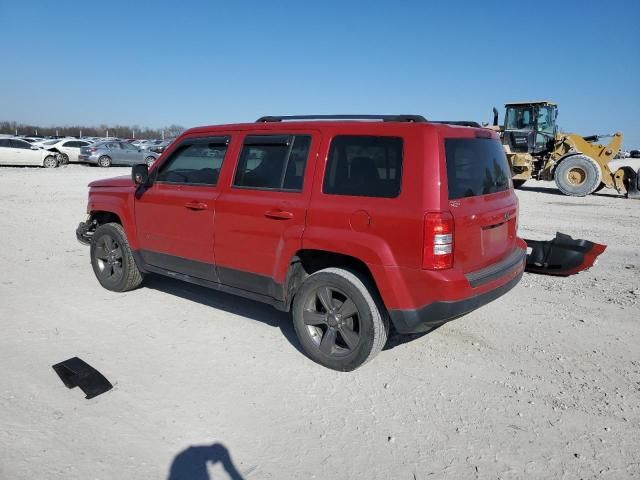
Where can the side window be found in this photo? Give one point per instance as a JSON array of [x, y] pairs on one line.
[[20, 144], [275, 162], [128, 146], [364, 166], [5, 142], [70, 144], [195, 162]]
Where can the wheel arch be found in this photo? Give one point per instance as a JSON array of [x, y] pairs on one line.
[[114, 207], [305, 262]]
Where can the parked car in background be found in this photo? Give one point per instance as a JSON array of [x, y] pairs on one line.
[[160, 147], [44, 143], [68, 149], [105, 154], [148, 144], [14, 151]]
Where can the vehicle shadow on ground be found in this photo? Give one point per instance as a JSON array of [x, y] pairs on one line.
[[555, 191], [192, 463], [227, 302], [250, 309]]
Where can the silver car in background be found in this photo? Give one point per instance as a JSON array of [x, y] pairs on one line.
[[105, 154]]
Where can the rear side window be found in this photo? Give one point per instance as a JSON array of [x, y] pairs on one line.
[[364, 166], [476, 166], [195, 162], [274, 162]]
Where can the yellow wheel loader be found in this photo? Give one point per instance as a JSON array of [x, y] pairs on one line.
[[578, 165]]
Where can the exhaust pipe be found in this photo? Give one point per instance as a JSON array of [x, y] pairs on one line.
[[495, 117]]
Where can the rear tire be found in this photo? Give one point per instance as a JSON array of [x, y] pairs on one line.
[[149, 161], [104, 161], [112, 259], [578, 176], [338, 320], [518, 183]]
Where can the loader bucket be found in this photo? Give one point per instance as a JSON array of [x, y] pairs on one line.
[[632, 182], [562, 256]]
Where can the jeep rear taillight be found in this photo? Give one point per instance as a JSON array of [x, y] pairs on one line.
[[438, 241]]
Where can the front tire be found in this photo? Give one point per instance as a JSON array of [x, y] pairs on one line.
[[578, 176], [50, 161], [338, 320], [112, 259], [104, 161]]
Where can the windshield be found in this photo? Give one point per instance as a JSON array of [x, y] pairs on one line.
[[519, 118]]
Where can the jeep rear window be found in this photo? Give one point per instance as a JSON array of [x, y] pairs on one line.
[[366, 166], [476, 166]]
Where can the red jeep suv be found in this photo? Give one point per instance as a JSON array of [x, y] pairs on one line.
[[352, 223]]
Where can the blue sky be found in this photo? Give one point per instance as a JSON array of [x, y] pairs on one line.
[[195, 63]]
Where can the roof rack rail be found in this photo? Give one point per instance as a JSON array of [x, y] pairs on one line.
[[384, 118], [462, 123]]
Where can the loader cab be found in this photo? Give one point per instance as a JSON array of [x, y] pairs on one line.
[[530, 127]]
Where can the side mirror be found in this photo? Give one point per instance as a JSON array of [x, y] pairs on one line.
[[140, 174], [33, 147]]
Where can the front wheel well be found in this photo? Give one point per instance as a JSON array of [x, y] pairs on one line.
[[101, 217], [307, 262]]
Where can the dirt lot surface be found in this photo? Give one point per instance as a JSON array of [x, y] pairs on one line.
[[542, 383]]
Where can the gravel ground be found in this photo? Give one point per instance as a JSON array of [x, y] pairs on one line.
[[542, 383]]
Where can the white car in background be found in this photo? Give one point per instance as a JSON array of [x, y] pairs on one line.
[[67, 148], [14, 151]]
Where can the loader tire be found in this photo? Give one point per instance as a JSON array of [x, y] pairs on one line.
[[578, 176]]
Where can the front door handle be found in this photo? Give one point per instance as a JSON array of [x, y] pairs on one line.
[[195, 205], [278, 214]]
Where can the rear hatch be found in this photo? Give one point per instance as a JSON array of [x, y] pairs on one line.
[[481, 198]]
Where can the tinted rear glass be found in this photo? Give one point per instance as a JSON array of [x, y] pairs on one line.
[[476, 166]]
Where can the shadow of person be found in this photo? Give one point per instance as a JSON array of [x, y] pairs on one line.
[[191, 463]]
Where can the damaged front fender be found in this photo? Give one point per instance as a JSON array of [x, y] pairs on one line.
[[562, 256]]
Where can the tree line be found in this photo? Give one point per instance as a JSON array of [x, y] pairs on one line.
[[120, 131]]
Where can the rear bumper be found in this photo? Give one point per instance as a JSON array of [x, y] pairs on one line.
[[87, 159], [450, 299], [438, 313]]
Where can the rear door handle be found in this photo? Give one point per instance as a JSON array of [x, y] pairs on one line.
[[278, 214], [195, 205]]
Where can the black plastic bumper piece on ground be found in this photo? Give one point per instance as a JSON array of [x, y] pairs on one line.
[[83, 233], [437, 313], [77, 373], [561, 256]]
